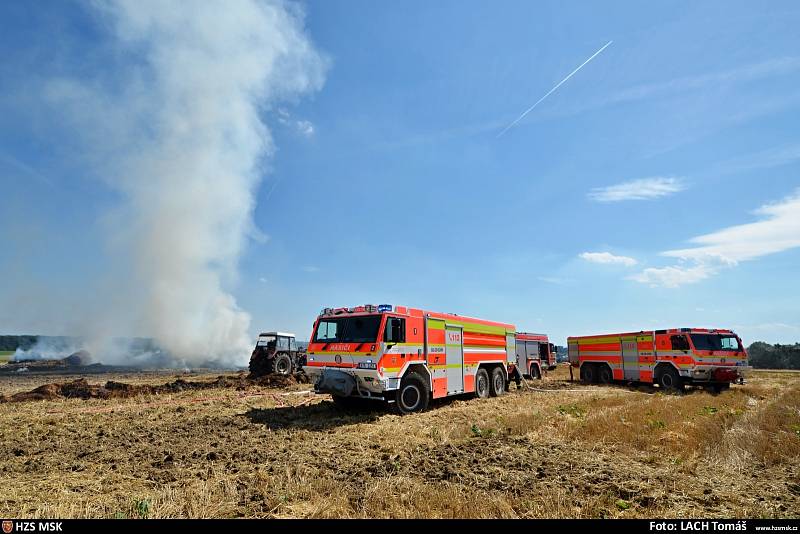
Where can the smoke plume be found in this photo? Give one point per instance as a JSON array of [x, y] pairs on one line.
[[180, 136]]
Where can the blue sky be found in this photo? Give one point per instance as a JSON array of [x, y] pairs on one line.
[[389, 184]]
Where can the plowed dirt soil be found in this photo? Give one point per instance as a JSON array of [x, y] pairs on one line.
[[230, 447]]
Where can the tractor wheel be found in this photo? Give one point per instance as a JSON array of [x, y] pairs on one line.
[[282, 364], [670, 380], [414, 394], [259, 364], [481, 383], [605, 375], [588, 373], [497, 385]]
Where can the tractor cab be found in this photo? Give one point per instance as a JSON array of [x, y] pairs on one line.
[[275, 352], [276, 341]]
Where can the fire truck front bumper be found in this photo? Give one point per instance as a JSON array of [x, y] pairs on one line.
[[715, 373], [350, 382]]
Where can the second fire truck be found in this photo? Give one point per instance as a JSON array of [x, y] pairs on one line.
[[671, 358], [535, 354]]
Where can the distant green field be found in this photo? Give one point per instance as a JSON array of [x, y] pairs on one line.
[[5, 356]]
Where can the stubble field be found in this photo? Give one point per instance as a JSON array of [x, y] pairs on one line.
[[254, 450]]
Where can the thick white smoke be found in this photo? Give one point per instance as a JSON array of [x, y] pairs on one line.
[[188, 151]]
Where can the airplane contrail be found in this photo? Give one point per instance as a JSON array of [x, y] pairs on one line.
[[553, 89]]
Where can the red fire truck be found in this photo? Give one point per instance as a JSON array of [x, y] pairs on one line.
[[535, 354], [408, 356], [671, 358]]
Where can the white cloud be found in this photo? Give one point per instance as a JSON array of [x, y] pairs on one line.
[[744, 73], [779, 230], [674, 276], [555, 280], [301, 126], [310, 269], [771, 157], [642, 189], [608, 258], [305, 127]]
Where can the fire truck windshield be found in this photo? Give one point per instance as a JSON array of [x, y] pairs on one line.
[[715, 342], [359, 329]]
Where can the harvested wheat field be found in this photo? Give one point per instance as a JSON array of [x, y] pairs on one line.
[[239, 448]]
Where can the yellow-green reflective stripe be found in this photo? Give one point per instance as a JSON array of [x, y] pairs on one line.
[[435, 324], [478, 328], [596, 340]]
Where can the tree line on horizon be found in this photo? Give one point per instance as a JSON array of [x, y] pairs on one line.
[[765, 356], [762, 355]]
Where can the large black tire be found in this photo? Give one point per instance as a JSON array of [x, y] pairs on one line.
[[414, 394], [588, 373], [282, 364], [669, 379], [481, 383], [535, 372], [497, 384], [260, 365], [605, 376]]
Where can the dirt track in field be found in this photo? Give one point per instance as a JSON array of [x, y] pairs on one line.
[[252, 450]]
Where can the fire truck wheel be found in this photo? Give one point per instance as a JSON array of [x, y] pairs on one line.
[[669, 379], [535, 372], [605, 376], [282, 364], [414, 394], [481, 384], [588, 373], [497, 386]]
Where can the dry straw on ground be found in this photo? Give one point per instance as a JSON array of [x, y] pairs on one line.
[[562, 452]]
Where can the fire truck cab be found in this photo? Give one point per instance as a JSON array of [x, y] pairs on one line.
[[407, 356], [672, 358]]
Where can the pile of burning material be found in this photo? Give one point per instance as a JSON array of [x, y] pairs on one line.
[[78, 359], [81, 358], [81, 389]]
